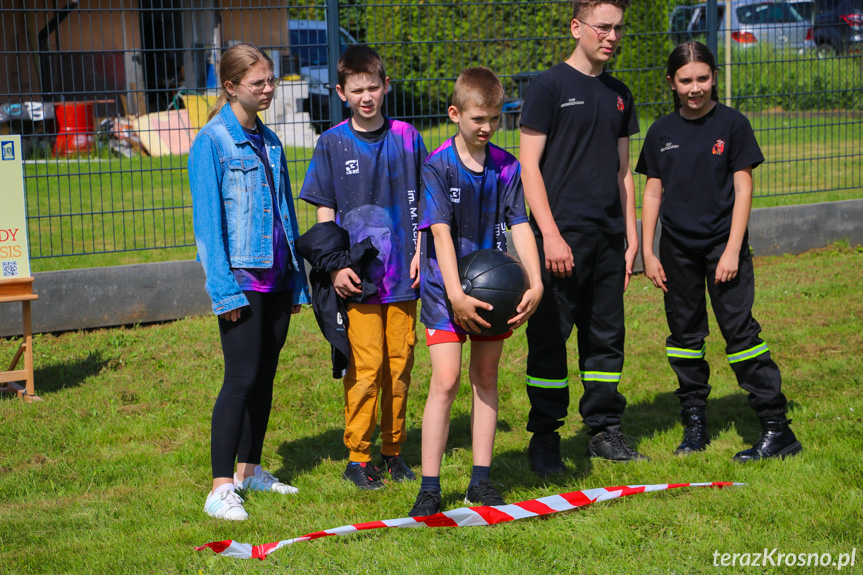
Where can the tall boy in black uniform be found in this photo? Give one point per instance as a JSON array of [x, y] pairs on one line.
[[575, 127]]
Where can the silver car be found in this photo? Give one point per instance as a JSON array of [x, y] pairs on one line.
[[753, 23]]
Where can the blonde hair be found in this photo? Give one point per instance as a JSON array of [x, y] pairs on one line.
[[478, 86], [235, 62]]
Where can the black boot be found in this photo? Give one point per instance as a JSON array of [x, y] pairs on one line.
[[776, 440], [695, 437], [544, 454]]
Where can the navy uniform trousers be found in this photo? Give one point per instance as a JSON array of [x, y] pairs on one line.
[[685, 307], [592, 301]]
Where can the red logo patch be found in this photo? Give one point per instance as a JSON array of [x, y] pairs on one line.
[[619, 104], [718, 147]]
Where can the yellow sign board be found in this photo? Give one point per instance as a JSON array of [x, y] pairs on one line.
[[14, 253]]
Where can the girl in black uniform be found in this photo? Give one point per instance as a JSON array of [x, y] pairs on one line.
[[698, 161]]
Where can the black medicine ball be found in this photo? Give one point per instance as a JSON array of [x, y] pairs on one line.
[[494, 277]]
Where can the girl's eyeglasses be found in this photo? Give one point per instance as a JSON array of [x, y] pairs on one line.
[[258, 87]]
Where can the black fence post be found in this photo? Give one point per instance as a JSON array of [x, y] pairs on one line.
[[713, 26], [333, 53]]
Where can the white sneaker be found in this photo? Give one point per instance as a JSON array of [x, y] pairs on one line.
[[264, 481], [225, 505]]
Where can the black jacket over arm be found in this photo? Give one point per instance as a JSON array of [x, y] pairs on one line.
[[326, 246]]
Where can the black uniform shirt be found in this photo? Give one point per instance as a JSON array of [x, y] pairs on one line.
[[583, 117], [696, 161]]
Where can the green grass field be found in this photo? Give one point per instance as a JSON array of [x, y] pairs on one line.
[[109, 473], [136, 210]]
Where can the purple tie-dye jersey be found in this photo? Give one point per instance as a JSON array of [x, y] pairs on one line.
[[278, 277], [374, 188], [478, 207]]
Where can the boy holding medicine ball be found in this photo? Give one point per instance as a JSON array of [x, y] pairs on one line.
[[472, 192]]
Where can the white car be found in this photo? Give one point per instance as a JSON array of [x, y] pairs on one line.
[[753, 22]]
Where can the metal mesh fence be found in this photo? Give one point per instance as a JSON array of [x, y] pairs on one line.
[[108, 95]]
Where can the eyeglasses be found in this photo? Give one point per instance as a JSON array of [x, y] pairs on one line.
[[258, 87], [603, 30]]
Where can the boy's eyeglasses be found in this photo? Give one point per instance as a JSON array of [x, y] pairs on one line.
[[258, 87], [603, 30]]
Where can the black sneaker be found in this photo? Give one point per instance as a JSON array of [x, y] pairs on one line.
[[397, 468], [611, 445], [427, 503], [364, 475], [543, 452], [483, 493]]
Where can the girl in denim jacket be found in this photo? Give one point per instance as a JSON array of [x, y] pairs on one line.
[[245, 227]]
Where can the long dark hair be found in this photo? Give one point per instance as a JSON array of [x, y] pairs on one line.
[[686, 54]]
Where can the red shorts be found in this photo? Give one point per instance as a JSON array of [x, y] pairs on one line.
[[434, 336]]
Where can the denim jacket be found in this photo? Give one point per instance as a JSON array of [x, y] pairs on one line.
[[233, 209]]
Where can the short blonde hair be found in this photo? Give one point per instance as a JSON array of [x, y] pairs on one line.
[[478, 86]]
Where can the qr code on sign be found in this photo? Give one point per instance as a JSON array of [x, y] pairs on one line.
[[10, 269]]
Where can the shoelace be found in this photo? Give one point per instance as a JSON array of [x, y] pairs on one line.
[[426, 497], [617, 440], [692, 433], [764, 438], [231, 499], [267, 478], [550, 450], [371, 472], [485, 490]]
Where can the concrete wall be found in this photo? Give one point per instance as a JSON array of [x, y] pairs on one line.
[[120, 295]]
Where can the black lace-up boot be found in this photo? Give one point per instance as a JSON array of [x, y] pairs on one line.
[[695, 437], [544, 454], [776, 441]]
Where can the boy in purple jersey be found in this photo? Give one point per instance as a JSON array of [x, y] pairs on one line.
[[364, 175], [472, 192], [576, 122]]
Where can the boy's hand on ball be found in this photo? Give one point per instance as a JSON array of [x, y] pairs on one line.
[[346, 282], [465, 315], [526, 307]]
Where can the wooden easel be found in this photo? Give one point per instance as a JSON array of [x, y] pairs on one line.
[[12, 291]]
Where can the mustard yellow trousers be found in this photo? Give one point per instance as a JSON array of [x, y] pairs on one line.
[[382, 339]]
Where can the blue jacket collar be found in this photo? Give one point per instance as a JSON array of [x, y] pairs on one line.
[[233, 124]]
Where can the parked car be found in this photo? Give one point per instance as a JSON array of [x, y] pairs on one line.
[[753, 22], [805, 8], [308, 48], [838, 28]]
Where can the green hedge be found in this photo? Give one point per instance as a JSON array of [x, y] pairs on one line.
[[426, 44]]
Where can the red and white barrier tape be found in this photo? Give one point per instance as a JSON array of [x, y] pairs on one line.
[[462, 517]]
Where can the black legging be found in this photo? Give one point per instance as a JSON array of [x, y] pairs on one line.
[[251, 347]]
